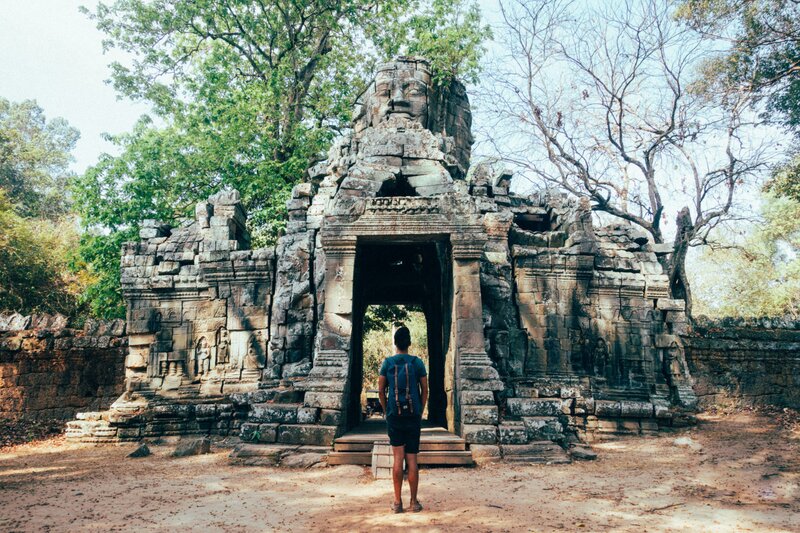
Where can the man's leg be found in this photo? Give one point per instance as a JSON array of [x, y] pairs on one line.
[[413, 475], [399, 453]]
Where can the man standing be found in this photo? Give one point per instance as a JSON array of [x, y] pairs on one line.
[[406, 380]]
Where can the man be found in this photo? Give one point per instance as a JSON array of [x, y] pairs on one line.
[[406, 380]]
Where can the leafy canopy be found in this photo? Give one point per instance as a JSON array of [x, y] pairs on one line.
[[763, 58], [246, 94], [34, 159], [34, 274]]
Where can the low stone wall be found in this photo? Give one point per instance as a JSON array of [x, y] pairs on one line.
[[745, 361], [49, 370]]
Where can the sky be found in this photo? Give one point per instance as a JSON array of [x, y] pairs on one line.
[[52, 53]]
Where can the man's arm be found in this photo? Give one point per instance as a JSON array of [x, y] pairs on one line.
[[423, 383], [383, 384]]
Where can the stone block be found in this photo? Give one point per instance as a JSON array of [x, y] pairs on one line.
[[330, 417], [636, 409], [190, 446], [520, 407], [307, 434], [513, 434], [325, 400], [273, 412], [479, 414], [667, 304], [477, 398], [479, 372], [543, 428], [605, 408], [480, 434], [485, 453], [307, 415]]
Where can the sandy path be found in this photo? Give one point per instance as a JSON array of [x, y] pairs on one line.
[[745, 478]]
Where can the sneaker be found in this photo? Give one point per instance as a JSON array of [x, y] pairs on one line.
[[416, 507], [397, 507]]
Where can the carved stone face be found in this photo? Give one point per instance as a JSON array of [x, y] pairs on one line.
[[402, 90]]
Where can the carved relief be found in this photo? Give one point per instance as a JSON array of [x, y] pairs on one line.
[[223, 347], [202, 358], [402, 205]]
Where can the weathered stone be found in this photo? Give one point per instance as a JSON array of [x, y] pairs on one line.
[[142, 450], [190, 446], [583, 453], [480, 434], [534, 407], [306, 434], [479, 414], [324, 400], [302, 460]]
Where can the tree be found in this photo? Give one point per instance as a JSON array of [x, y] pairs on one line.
[[33, 263], [34, 159], [763, 59], [760, 276], [248, 94], [598, 101]]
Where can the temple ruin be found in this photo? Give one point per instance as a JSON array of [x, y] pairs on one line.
[[541, 326]]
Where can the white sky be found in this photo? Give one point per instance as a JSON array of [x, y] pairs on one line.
[[52, 53]]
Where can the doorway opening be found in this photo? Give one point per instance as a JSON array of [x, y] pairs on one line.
[[415, 279]]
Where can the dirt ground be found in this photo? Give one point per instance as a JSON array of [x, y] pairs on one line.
[[739, 472]]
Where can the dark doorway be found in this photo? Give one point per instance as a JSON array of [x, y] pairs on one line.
[[413, 274]]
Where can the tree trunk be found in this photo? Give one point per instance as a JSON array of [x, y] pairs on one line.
[[676, 265]]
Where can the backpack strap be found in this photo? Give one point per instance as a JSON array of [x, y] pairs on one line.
[[409, 396], [396, 393]]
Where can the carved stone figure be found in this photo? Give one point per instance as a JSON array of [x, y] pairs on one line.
[[400, 90], [251, 360], [223, 347], [202, 357]]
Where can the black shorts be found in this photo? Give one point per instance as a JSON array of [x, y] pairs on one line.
[[404, 432]]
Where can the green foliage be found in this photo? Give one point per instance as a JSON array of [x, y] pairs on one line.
[[378, 342], [34, 159], [763, 59], [762, 276], [247, 95], [33, 269], [451, 36], [383, 317]]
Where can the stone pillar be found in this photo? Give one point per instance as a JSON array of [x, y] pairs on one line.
[[327, 384], [475, 380]]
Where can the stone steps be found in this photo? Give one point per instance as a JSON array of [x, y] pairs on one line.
[[437, 446], [366, 446], [448, 457]]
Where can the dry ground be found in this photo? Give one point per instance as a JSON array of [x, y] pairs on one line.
[[746, 477]]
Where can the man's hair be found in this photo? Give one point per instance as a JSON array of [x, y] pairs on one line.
[[402, 338]]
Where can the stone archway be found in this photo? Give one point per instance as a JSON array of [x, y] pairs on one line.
[[402, 272]]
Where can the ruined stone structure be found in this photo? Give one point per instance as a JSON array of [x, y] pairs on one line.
[[745, 361], [49, 370], [540, 325]]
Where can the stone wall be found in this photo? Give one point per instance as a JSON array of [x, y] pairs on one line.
[[745, 361], [49, 370]]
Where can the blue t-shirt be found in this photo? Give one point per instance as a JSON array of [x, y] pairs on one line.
[[419, 372]]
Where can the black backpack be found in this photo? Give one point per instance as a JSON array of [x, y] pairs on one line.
[[403, 377]]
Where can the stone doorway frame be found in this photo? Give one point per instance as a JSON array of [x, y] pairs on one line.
[[436, 304], [393, 219]]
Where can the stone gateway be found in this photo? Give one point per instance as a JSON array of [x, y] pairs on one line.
[[541, 327]]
